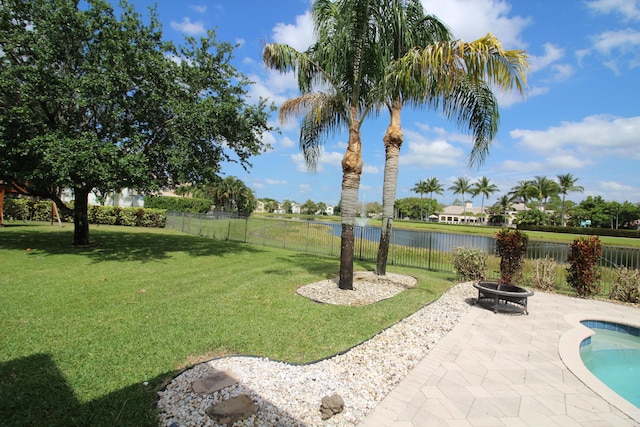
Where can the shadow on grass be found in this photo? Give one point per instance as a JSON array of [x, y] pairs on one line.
[[33, 392], [122, 244]]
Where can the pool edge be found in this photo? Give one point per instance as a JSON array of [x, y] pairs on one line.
[[569, 350]]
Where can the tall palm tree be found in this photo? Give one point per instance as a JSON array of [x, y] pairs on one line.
[[345, 61], [484, 187], [427, 68], [433, 186], [543, 188], [420, 188], [462, 186], [567, 182]]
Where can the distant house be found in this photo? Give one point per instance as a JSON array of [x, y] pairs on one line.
[[127, 198], [455, 214]]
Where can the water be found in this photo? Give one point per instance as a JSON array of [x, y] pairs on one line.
[[613, 355]]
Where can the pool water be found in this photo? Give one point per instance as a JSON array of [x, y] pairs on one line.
[[613, 355]]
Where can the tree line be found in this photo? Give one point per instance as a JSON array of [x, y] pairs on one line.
[[545, 200]]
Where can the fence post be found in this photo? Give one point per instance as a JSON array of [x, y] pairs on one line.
[[229, 230], [429, 253], [246, 228]]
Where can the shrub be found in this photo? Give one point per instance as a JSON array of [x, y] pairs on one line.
[[16, 209], [178, 204], [511, 246], [103, 215], [627, 285], [470, 263], [544, 274], [583, 275], [41, 210], [128, 217]]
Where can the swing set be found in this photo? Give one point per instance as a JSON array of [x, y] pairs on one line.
[[10, 187]]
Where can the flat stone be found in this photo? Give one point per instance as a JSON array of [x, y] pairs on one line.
[[214, 382], [231, 410]]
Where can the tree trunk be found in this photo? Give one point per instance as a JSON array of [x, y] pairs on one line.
[[351, 172], [392, 142], [80, 217]]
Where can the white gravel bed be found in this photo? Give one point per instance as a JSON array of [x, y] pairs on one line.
[[290, 395]]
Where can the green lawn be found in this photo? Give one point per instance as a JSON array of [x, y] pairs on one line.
[[89, 335]]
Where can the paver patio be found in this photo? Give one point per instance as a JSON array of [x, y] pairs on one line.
[[506, 370]]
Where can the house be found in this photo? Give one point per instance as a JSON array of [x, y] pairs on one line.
[[127, 198], [456, 214]]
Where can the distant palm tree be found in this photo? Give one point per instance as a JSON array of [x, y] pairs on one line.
[[567, 183], [462, 186], [543, 188], [484, 187], [522, 191], [420, 188], [433, 186], [505, 203]]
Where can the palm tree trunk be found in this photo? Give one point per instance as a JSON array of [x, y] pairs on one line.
[[392, 141], [351, 172]]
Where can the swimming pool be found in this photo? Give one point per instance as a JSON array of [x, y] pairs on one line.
[[613, 355]]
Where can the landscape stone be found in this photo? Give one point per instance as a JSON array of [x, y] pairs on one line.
[[214, 382], [331, 405], [233, 409]]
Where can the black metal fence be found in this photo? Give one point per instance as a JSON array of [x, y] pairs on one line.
[[421, 249]]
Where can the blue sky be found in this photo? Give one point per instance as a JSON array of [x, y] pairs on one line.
[[581, 114]]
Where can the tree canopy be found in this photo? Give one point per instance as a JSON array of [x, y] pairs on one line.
[[92, 100]]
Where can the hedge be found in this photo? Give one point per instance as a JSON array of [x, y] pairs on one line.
[[178, 204], [582, 230]]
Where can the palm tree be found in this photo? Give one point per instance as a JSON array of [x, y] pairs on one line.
[[543, 188], [505, 203], [433, 186], [420, 188], [428, 68], [485, 187], [521, 191], [462, 186], [345, 60], [567, 183]]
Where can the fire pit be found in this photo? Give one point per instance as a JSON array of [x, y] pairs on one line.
[[502, 296]]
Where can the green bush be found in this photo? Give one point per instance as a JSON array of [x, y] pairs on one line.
[[470, 263], [103, 215], [128, 217], [544, 274], [152, 217], [511, 246], [41, 210], [626, 288], [178, 204], [583, 274], [16, 209]]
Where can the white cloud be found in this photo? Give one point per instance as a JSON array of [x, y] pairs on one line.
[[472, 19], [275, 182], [424, 152], [274, 86], [552, 54], [299, 35], [287, 142], [326, 158], [608, 134], [199, 8], [369, 169], [623, 40], [630, 9], [188, 27]]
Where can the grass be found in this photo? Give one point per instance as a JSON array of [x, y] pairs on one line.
[[90, 335]]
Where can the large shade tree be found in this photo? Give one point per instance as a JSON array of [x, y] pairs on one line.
[[90, 100]]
